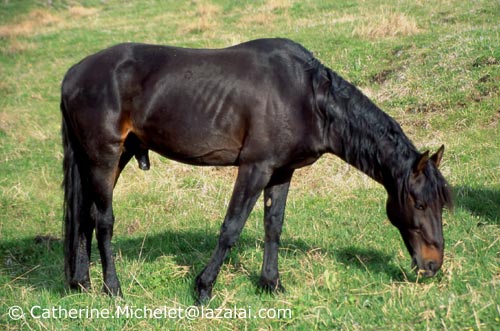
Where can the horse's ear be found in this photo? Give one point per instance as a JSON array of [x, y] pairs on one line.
[[438, 156], [421, 163]]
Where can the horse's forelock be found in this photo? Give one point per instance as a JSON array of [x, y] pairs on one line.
[[435, 188]]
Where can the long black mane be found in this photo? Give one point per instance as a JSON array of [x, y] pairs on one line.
[[368, 138]]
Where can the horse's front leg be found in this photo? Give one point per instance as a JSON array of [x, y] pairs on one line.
[[274, 211], [250, 182]]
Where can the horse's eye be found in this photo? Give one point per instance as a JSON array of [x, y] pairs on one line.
[[419, 206]]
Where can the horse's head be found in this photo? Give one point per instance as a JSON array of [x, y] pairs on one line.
[[417, 212]]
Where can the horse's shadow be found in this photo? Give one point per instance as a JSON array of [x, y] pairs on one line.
[[483, 202], [373, 262], [38, 262]]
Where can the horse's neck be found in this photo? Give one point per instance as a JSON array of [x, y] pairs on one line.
[[370, 140]]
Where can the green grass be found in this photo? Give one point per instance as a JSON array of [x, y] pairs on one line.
[[434, 66]]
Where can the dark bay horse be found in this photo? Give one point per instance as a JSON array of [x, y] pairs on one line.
[[266, 106]]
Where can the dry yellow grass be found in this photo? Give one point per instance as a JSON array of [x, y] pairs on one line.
[[15, 46], [38, 21], [34, 21], [259, 18], [204, 18], [328, 19], [264, 14], [384, 23], [271, 5], [207, 9], [79, 11]]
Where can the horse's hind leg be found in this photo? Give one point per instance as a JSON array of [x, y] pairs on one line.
[[78, 254], [275, 195], [103, 179], [82, 274], [78, 226]]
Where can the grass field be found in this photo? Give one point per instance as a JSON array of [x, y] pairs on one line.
[[432, 65]]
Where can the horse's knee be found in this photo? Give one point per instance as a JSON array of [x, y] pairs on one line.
[[104, 221], [229, 234], [104, 232]]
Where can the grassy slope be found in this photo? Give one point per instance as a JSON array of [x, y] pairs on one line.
[[434, 67]]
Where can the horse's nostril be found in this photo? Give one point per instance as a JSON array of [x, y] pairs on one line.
[[431, 265]]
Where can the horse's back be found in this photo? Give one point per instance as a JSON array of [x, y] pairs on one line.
[[199, 106], [149, 58]]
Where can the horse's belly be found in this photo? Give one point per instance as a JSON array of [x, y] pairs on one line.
[[214, 157], [195, 147]]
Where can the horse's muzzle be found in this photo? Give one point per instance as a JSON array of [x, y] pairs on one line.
[[425, 268]]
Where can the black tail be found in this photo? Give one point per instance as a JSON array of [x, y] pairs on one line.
[[73, 199]]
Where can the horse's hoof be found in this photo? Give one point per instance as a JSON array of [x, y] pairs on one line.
[[82, 286], [203, 299], [112, 291], [271, 286], [203, 291]]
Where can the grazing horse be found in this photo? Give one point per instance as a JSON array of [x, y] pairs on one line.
[[266, 106]]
